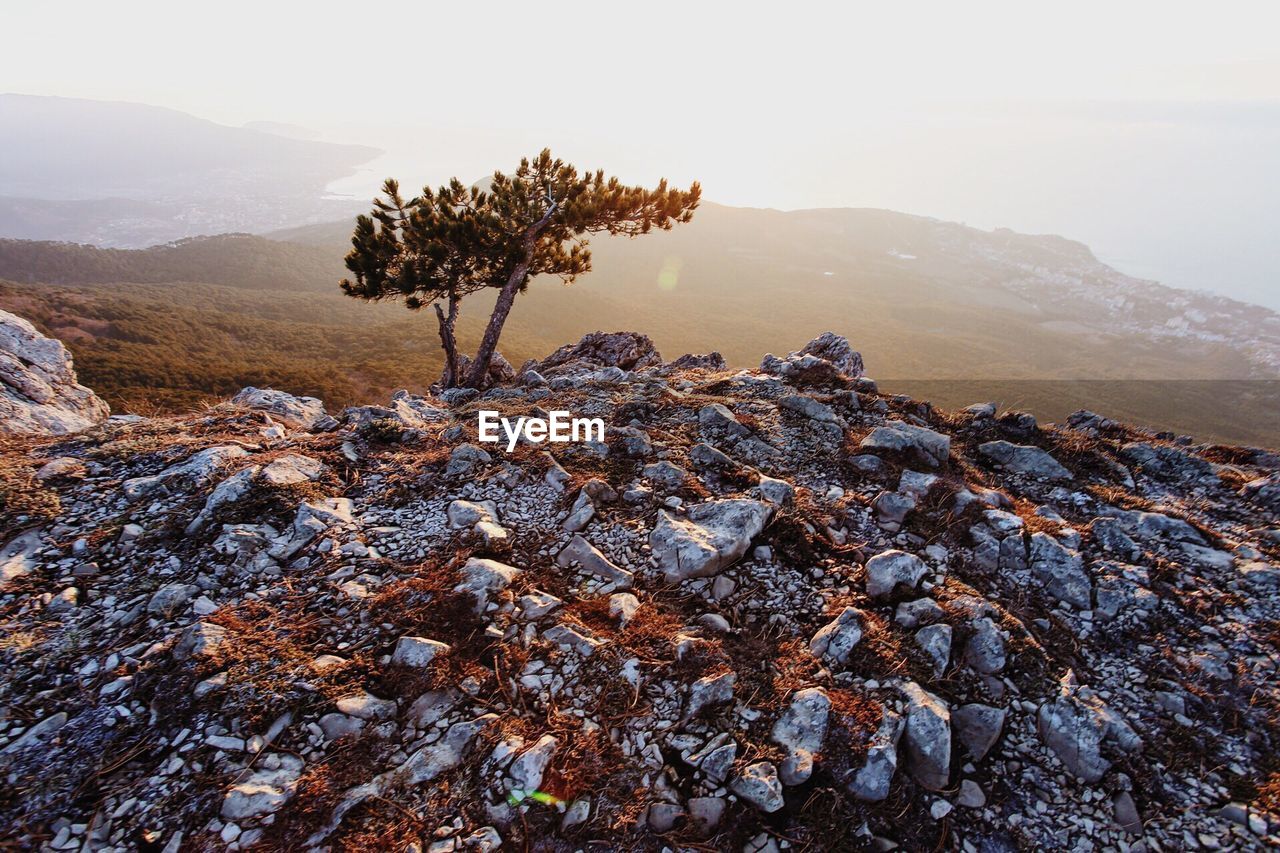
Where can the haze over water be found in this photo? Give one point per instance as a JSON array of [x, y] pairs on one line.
[[1157, 150]]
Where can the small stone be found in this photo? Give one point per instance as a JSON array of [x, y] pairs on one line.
[[1126, 814], [416, 652], [758, 785], [664, 817], [366, 706], [623, 607], [710, 691], [836, 640], [971, 796], [890, 568]]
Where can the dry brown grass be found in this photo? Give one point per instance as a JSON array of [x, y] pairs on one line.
[[24, 500], [854, 719], [1120, 497]]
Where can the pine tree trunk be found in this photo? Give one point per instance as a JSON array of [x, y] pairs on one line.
[[448, 342], [507, 298], [501, 308]]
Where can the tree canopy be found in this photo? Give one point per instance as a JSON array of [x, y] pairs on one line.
[[445, 244]]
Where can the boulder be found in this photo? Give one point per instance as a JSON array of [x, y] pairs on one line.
[[301, 412], [1077, 723], [758, 785], [416, 652], [705, 813], [500, 371], [711, 537], [1061, 570], [466, 460], [808, 407], [978, 727], [481, 578], [580, 515], [1264, 491], [365, 706], [824, 359], [928, 738], [835, 640], [835, 348], [715, 419], [985, 648], [920, 443], [715, 760], [892, 509], [18, 556], [526, 772], [461, 514], [623, 607], [336, 725], [709, 691], [228, 492], [870, 783], [888, 569], [538, 604], [689, 361], [633, 442], [572, 638], [291, 469], [203, 639], [667, 475], [801, 730], [431, 707], [196, 470], [263, 792], [922, 611], [1159, 528], [171, 599], [1109, 535], [39, 394], [1167, 463], [1025, 459], [590, 560], [780, 493], [704, 457], [408, 411], [625, 350], [422, 766], [935, 641]]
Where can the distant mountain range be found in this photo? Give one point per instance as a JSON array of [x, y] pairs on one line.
[[122, 174], [995, 303], [939, 310]]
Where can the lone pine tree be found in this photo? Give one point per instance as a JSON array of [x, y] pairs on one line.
[[454, 241]]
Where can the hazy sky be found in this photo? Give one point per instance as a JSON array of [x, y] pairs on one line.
[[1148, 130]]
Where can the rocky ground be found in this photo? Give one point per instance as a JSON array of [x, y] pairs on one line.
[[775, 609]]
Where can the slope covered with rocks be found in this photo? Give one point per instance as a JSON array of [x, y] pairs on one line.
[[775, 609]]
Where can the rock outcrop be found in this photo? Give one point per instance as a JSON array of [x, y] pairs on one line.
[[623, 350], [775, 608], [39, 394]]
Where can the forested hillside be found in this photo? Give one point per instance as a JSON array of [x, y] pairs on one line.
[[234, 260], [945, 312]]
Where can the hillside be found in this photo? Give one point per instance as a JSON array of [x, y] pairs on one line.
[[232, 260], [941, 311], [71, 148], [125, 174], [972, 303], [772, 608]]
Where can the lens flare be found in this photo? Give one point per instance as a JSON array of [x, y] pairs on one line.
[[669, 275]]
